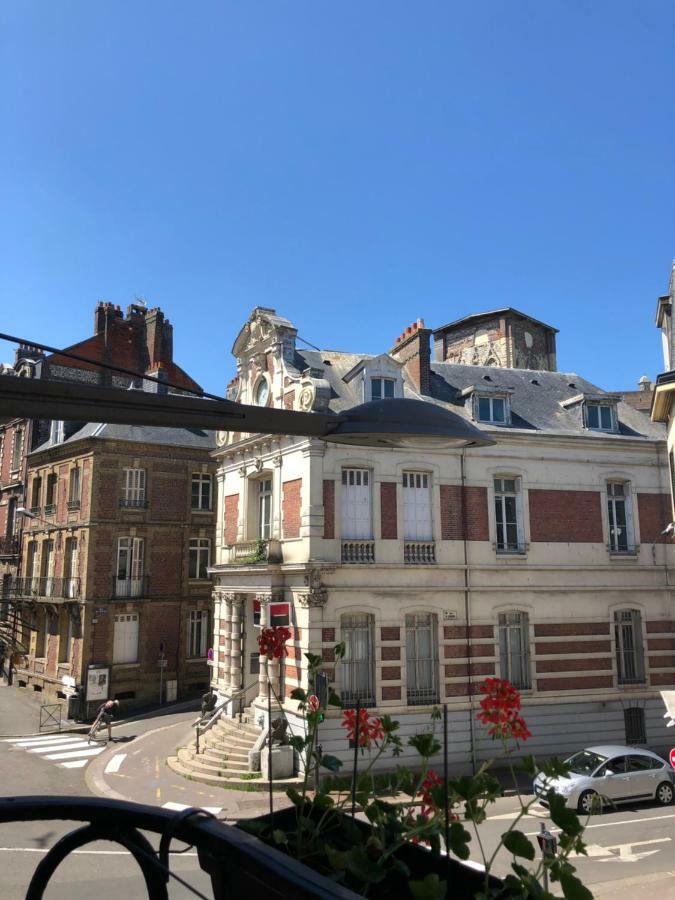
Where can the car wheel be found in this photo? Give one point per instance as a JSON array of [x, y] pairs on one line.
[[589, 802], [664, 793]]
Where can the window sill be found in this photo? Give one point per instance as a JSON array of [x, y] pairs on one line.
[[129, 665], [203, 511], [624, 554]]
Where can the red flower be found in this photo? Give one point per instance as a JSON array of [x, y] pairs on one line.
[[431, 780], [369, 731], [313, 702], [500, 708], [272, 642]]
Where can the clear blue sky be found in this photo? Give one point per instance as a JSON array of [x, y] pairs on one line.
[[354, 165]]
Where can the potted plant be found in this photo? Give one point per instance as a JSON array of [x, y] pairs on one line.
[[411, 833]]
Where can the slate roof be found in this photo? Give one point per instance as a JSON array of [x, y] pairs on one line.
[[535, 396], [139, 434]]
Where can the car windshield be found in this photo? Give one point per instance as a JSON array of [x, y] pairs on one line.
[[585, 762]]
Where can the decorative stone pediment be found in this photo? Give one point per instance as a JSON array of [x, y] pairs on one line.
[[317, 593]]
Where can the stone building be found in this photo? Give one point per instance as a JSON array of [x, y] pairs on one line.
[[540, 558], [117, 533]]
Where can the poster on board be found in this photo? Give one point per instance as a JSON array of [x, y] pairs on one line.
[[98, 682]]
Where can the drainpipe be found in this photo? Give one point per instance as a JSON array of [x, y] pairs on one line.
[[467, 613]]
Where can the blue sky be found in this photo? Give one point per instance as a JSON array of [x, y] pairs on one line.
[[354, 165]]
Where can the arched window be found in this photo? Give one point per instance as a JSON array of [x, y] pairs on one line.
[[514, 649], [357, 666], [421, 642]]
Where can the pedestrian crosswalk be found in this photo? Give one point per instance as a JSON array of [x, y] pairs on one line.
[[70, 751]]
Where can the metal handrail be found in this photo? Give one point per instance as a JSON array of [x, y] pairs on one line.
[[217, 713]]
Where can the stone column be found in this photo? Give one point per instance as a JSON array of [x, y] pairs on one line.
[[235, 643], [264, 600], [226, 625]]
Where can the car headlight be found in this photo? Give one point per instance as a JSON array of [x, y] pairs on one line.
[[564, 789]]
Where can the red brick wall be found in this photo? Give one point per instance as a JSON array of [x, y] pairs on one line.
[[329, 508], [654, 512], [565, 516], [231, 518], [475, 513], [289, 399], [388, 510], [587, 682], [560, 629], [290, 507], [163, 561]]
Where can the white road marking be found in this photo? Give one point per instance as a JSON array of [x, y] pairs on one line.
[[48, 748], [74, 764], [73, 753], [179, 807], [114, 764], [35, 742], [625, 851], [632, 822]]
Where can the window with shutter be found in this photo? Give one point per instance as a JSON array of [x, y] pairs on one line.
[[125, 639], [514, 649], [133, 493], [357, 522], [417, 506]]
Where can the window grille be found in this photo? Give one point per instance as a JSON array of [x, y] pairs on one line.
[[421, 634], [508, 516], [634, 724], [514, 649], [630, 663], [357, 664], [619, 517]]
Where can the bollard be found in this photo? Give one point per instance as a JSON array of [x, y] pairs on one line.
[[548, 845]]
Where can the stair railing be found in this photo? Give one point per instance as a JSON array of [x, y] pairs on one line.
[[204, 723]]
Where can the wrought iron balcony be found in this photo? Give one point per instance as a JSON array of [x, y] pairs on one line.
[[134, 503], [45, 587], [50, 509], [358, 552], [126, 588], [73, 504], [9, 546], [419, 553], [238, 864]]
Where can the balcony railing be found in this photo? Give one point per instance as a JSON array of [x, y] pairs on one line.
[[31, 587], [73, 504], [134, 503], [251, 553], [35, 510], [358, 552], [125, 588], [9, 546], [419, 553], [50, 509], [238, 864]]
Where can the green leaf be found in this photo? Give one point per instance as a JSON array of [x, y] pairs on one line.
[[425, 744], [339, 650], [528, 764], [362, 867], [573, 889], [314, 661], [336, 858], [299, 694], [279, 836], [566, 819], [334, 699], [517, 844], [432, 888], [459, 840], [298, 742], [332, 763], [294, 796]]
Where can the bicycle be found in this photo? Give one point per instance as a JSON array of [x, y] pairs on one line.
[[96, 726]]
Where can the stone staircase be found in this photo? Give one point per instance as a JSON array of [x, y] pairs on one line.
[[223, 757]]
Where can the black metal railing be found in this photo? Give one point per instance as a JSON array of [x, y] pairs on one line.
[[134, 503], [31, 587], [73, 504], [125, 588], [238, 864], [9, 546], [50, 509]]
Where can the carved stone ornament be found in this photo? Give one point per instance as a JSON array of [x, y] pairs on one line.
[[222, 438], [306, 400], [317, 596]]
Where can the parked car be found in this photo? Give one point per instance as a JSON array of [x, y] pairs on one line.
[[611, 774]]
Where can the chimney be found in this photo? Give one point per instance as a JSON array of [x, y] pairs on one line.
[[412, 348], [644, 384], [159, 336], [105, 312]]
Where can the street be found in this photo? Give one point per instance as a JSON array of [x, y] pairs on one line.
[[630, 849]]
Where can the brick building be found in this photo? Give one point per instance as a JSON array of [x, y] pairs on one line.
[[117, 536], [540, 558]]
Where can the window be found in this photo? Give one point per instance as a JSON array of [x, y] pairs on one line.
[[125, 641], [201, 491], [514, 648], [265, 508], [508, 515], [634, 724], [74, 489], [416, 507], [356, 514], [421, 638], [57, 431], [357, 665], [17, 442], [70, 568], [130, 552], [200, 558], [48, 559], [10, 530], [492, 409], [36, 494], [198, 633], [254, 664], [65, 635], [381, 388], [599, 417], [133, 490], [261, 393], [32, 565], [50, 499], [620, 518], [630, 662]]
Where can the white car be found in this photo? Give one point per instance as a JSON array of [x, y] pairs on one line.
[[610, 774]]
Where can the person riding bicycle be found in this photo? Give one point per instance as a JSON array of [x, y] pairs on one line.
[[105, 714]]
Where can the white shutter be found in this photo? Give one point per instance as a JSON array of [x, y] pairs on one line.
[[356, 511], [123, 559], [125, 641], [416, 507]]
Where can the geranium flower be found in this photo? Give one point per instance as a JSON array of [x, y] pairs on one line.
[[500, 709], [369, 731], [272, 642], [313, 702]]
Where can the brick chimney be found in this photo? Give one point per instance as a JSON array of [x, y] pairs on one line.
[[105, 312], [159, 336], [412, 348]]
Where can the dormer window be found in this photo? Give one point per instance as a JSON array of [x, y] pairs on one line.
[[600, 417], [492, 409], [382, 388]]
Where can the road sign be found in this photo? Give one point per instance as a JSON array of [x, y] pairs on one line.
[[672, 757], [209, 654], [161, 662]]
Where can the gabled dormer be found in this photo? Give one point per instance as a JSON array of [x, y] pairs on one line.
[[488, 403], [379, 378]]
